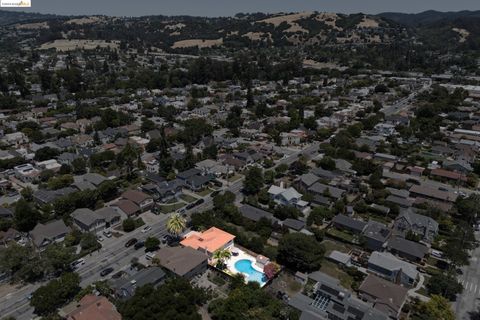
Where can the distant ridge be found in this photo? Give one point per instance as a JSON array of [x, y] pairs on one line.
[[427, 17]]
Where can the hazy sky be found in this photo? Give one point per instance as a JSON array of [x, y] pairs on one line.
[[230, 7]]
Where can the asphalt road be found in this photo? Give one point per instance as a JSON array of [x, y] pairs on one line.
[[403, 103], [114, 254], [469, 301]]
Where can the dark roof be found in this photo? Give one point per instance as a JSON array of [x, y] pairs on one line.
[[384, 292], [188, 174], [294, 224], [255, 214], [377, 231], [348, 222], [181, 260], [412, 248], [126, 287]]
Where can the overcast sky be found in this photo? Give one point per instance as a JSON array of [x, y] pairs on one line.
[[230, 7]]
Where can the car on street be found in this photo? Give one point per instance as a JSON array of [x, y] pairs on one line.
[[146, 229], [75, 264], [117, 275], [106, 271], [199, 202], [131, 242], [139, 245]]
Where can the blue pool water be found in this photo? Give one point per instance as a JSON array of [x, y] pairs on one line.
[[245, 266]]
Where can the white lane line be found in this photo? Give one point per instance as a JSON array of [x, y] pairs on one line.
[[475, 290]]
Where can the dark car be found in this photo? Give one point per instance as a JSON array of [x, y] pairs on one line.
[[105, 272], [199, 202], [131, 242], [139, 245], [118, 275], [168, 239], [215, 193]]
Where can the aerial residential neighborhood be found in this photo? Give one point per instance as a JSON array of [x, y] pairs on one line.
[[295, 165]]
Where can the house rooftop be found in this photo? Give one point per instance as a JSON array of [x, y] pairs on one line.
[[209, 240]]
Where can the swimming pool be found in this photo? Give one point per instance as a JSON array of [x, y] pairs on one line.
[[245, 266]]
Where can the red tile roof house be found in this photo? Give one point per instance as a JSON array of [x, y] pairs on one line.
[[209, 241], [142, 200], [92, 307]]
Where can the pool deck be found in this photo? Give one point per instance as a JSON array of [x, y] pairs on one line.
[[242, 255]]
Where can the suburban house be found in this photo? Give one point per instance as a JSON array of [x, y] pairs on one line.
[[385, 296], [124, 288], [44, 234], [255, 214], [208, 241], [110, 215], [8, 236], [126, 207], [88, 221], [410, 250], [343, 222], [183, 261], [409, 221], [329, 300], [164, 191], [44, 196], [287, 197], [389, 267], [142, 200], [194, 179], [432, 193], [94, 178], [94, 307], [376, 235]]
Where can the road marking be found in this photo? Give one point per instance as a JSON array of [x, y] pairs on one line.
[[475, 288]]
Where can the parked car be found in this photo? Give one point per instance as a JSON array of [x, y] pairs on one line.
[[214, 193], [117, 275], [107, 233], [139, 245], [100, 238], [131, 242], [199, 202], [106, 271], [146, 229], [167, 239]]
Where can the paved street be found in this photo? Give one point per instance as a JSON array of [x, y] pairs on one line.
[[469, 300], [403, 103]]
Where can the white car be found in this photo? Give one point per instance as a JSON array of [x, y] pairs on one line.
[[75, 264], [100, 238], [146, 229], [107, 233]]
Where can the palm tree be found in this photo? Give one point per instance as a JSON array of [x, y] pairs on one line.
[[220, 256], [176, 224]]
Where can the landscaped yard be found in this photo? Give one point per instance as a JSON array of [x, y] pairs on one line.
[[333, 270], [171, 207], [205, 192], [332, 245], [187, 198], [234, 178], [341, 235]]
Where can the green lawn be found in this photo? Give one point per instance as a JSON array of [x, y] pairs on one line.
[[333, 270], [332, 245], [171, 207], [341, 235], [205, 192], [234, 178], [187, 198]]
